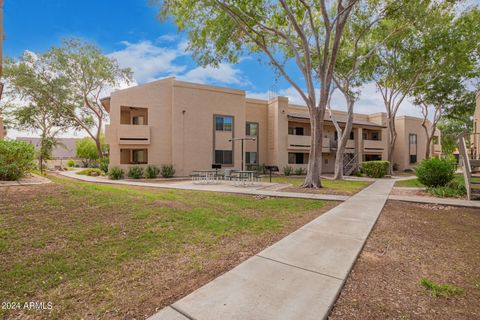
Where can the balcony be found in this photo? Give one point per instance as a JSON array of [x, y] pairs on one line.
[[303, 143], [128, 134], [437, 148], [334, 143], [373, 144]]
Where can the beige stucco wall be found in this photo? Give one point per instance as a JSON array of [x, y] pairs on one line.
[[475, 139], [194, 107], [3, 132], [406, 125]]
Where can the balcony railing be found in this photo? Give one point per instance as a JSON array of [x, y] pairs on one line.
[[128, 134], [373, 144], [437, 148], [303, 143]]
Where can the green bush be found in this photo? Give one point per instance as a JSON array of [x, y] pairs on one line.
[[152, 172], [453, 189], [87, 151], [16, 159], [70, 163], [300, 171], [435, 172], [103, 164], [135, 172], [375, 169], [287, 170], [116, 173], [93, 172], [167, 171]]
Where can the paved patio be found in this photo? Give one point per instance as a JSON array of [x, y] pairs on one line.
[[258, 189], [298, 277]]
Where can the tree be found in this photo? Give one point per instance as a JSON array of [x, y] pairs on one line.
[[305, 32], [351, 69], [87, 151], [89, 75], [41, 98], [455, 65], [405, 57]]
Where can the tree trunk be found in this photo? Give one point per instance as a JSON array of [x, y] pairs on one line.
[[343, 138], [392, 137], [312, 180], [99, 148]]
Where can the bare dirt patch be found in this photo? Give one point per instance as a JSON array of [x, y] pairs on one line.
[[409, 242], [417, 192]]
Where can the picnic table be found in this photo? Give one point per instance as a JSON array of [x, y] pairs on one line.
[[244, 177], [205, 176]]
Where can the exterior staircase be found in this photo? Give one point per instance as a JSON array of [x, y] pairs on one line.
[[471, 170], [350, 163]]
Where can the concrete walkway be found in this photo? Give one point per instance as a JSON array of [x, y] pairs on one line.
[[432, 200], [257, 190], [298, 277]]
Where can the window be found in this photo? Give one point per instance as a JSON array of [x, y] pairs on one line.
[[413, 158], [375, 135], [223, 123], [251, 157], [296, 131], [352, 135], [223, 156], [138, 120], [435, 140], [251, 129], [296, 158], [372, 157], [139, 156], [413, 139]]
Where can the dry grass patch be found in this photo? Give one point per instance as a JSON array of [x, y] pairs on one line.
[[122, 252]]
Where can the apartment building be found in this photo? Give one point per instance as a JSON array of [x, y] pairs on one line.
[[193, 126], [475, 138]]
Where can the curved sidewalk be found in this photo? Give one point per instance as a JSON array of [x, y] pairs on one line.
[[298, 277]]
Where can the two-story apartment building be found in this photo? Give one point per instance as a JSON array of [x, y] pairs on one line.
[[475, 138], [193, 126]]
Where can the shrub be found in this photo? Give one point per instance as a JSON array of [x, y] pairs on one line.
[[135, 172], [116, 173], [70, 163], [103, 164], [16, 159], [435, 172], [300, 171], [357, 173], [453, 189], [93, 172], [375, 169], [167, 171], [152, 172], [287, 170]]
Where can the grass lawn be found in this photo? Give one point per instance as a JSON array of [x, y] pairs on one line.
[[121, 252], [421, 261], [341, 187]]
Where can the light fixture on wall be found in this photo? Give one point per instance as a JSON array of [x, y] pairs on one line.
[[184, 111]]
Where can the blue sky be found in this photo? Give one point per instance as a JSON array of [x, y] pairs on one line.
[[130, 31]]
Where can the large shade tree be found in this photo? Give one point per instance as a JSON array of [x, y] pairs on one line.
[[89, 75], [305, 32], [38, 98]]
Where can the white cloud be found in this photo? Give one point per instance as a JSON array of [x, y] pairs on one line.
[[166, 38], [148, 61], [224, 74]]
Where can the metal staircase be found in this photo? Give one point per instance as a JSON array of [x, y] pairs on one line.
[[350, 163], [471, 169]]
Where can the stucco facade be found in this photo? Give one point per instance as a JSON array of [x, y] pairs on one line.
[[3, 131], [193, 126], [475, 139]]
